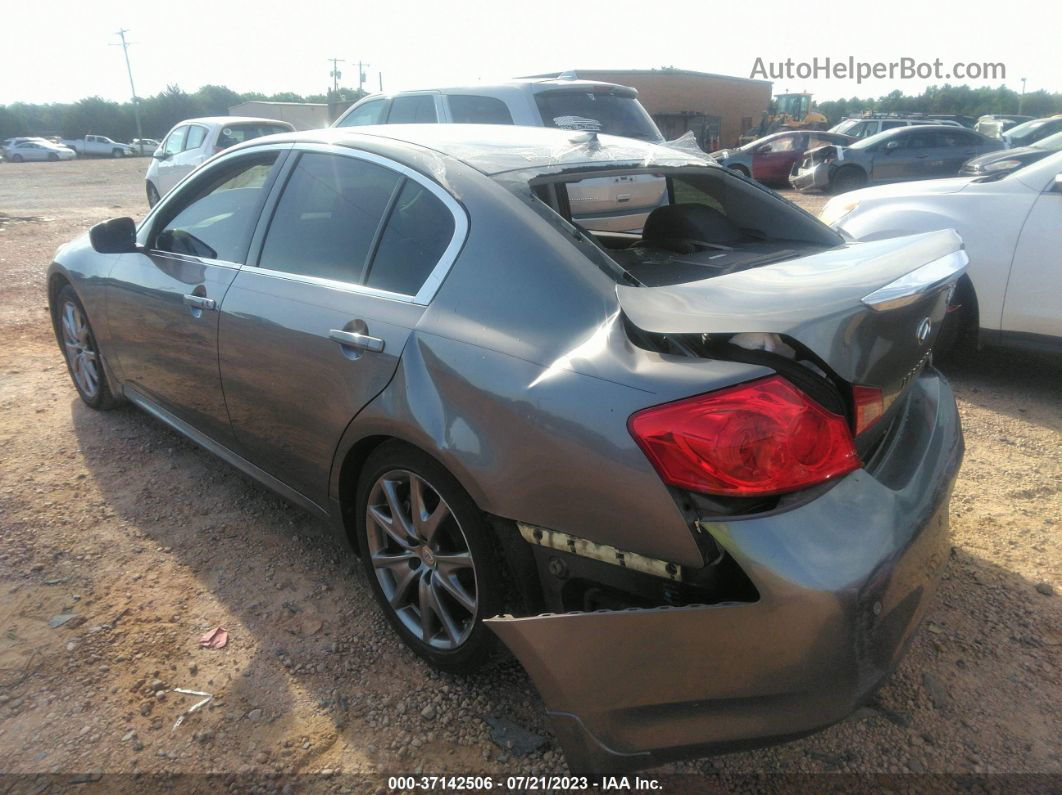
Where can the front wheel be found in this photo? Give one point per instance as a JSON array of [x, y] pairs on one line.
[[117, 153], [957, 330], [429, 557], [53, 156], [16, 158], [152, 195], [848, 178], [81, 352]]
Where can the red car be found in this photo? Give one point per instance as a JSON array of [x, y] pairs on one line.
[[770, 159]]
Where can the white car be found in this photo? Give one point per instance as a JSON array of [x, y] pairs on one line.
[[864, 128], [193, 141], [601, 204], [24, 149], [1012, 226], [99, 146]]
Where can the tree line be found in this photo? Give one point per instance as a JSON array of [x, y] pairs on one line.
[[948, 99], [160, 112], [94, 115]]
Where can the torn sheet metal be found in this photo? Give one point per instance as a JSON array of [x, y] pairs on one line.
[[840, 600]]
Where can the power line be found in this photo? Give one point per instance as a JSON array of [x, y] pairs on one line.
[[335, 74], [136, 102]]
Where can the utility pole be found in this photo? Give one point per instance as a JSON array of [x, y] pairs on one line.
[[1021, 99], [380, 75], [136, 102], [361, 74], [336, 74]]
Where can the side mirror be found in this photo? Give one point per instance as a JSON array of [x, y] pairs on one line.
[[160, 155], [762, 149], [891, 147], [1057, 185], [116, 236]]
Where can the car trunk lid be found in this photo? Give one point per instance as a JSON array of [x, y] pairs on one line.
[[869, 311]]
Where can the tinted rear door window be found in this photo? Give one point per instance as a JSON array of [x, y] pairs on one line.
[[469, 109], [327, 218], [416, 109], [599, 112], [418, 231]]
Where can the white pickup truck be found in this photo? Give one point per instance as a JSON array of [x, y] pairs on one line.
[[99, 146]]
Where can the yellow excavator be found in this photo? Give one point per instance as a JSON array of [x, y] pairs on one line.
[[787, 112]]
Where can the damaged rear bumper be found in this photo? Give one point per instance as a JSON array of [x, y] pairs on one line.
[[844, 581]]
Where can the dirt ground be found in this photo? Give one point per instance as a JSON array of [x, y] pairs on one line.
[[150, 542]]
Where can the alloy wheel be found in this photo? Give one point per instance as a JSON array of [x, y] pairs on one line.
[[80, 350], [421, 559]]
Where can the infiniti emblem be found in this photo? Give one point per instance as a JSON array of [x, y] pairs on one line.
[[924, 328]]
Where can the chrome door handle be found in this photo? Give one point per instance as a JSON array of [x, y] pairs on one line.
[[199, 302], [352, 339]]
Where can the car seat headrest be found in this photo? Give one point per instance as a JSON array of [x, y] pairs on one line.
[[677, 226]]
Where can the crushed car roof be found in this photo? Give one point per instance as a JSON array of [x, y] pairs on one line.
[[495, 148]]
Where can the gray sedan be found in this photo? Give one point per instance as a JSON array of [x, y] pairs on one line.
[[696, 479], [905, 153]]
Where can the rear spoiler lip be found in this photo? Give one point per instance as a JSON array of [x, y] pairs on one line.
[[787, 296], [912, 286]]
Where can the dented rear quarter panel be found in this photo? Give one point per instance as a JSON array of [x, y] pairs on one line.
[[843, 580], [523, 390]]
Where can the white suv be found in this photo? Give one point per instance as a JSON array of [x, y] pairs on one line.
[[606, 204], [192, 141], [864, 128]]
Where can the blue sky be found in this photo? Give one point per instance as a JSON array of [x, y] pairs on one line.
[[60, 52]]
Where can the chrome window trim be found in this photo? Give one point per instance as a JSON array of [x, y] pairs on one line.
[[334, 284], [435, 278], [911, 286], [193, 260]]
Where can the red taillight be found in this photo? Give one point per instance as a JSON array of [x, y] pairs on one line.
[[761, 438], [869, 406]]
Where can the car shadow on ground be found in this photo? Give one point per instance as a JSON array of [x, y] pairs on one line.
[[1009, 381], [312, 654]]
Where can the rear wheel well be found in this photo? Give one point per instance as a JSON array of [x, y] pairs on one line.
[[349, 472], [520, 580], [967, 297]]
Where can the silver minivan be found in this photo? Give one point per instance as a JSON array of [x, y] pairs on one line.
[[605, 204]]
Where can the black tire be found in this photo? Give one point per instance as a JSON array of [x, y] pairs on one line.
[[101, 398], [956, 332], [479, 645], [117, 153], [16, 158], [848, 178], [53, 156], [740, 170], [152, 195]]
